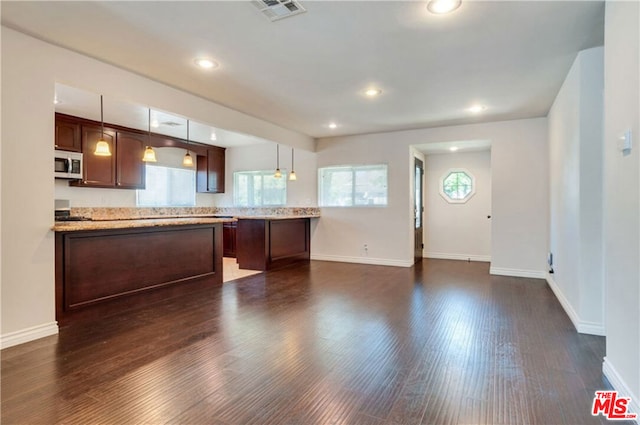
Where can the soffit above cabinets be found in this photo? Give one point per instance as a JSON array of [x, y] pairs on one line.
[[85, 104]]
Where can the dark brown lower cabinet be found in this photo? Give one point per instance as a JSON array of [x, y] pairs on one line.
[[229, 237], [265, 244], [104, 270]]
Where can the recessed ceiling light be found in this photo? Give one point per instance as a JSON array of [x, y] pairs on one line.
[[373, 92], [155, 124], [214, 136], [333, 125], [206, 63], [477, 108], [56, 101], [440, 7], [453, 148]]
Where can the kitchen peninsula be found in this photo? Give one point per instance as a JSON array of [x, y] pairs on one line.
[[119, 257]]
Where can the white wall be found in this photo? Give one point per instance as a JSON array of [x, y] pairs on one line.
[[27, 201], [519, 189], [300, 193], [458, 231], [342, 232], [30, 69], [94, 197], [622, 198], [575, 158]]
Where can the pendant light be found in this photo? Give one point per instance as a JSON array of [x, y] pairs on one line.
[[149, 153], [278, 173], [187, 161], [292, 174], [102, 147]]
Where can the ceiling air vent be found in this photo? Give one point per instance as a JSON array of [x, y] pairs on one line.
[[278, 9]]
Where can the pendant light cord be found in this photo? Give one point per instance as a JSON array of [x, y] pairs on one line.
[[101, 118]]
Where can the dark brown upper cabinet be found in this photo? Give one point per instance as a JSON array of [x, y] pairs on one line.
[[98, 171], [130, 169], [210, 171], [124, 169], [68, 135]]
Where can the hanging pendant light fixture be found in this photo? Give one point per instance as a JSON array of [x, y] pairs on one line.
[[149, 153], [187, 161], [292, 174], [102, 147], [278, 173]]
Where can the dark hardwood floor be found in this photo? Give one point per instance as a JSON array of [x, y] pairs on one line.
[[328, 343]]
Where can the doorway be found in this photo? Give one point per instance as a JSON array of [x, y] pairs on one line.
[[418, 209]]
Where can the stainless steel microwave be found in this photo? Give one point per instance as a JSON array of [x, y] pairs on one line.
[[68, 165]]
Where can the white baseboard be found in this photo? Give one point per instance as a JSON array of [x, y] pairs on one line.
[[463, 257], [582, 326], [620, 385], [25, 335], [362, 260], [536, 274]]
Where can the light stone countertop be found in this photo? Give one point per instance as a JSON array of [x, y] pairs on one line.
[[75, 226]]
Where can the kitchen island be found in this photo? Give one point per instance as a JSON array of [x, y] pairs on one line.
[[104, 266], [123, 257], [267, 243]]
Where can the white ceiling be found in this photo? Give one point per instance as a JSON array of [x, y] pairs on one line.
[[305, 71], [459, 146]]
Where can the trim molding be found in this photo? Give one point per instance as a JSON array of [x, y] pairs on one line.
[[463, 257], [583, 327], [535, 274], [362, 260], [619, 385], [29, 334]]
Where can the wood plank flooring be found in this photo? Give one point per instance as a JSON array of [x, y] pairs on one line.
[[326, 343]]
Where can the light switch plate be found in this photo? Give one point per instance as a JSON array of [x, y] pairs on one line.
[[624, 142]]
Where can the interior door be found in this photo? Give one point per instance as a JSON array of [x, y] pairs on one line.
[[418, 209]]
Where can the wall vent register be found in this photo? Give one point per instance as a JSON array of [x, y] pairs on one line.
[[279, 9]]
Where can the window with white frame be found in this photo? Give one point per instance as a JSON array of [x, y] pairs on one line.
[[167, 187], [259, 189], [352, 186], [457, 186]]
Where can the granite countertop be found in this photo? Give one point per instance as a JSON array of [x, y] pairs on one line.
[[228, 217], [106, 224], [75, 226]]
